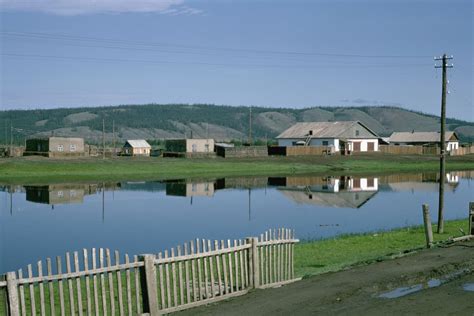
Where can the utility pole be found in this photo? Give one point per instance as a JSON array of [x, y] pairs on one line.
[[250, 126], [442, 161], [11, 139], [103, 139], [113, 132]]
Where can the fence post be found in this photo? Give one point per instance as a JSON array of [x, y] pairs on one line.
[[12, 290], [253, 263], [471, 218], [149, 285], [428, 227]]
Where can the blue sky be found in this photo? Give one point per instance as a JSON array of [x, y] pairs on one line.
[[68, 53]]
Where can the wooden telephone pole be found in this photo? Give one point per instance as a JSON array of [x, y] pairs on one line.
[[250, 126], [103, 139], [442, 161]]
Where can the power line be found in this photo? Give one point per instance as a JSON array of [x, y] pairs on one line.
[[97, 59], [248, 50]]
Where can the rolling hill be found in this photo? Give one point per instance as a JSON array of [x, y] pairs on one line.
[[154, 121]]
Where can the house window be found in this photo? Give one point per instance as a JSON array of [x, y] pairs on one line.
[[72, 193], [325, 143], [60, 148], [310, 132], [357, 132], [72, 147], [60, 194], [206, 147], [194, 146]]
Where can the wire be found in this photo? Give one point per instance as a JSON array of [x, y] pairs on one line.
[[255, 51], [96, 59]]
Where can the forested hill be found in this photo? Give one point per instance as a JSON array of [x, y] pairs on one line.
[[153, 121]]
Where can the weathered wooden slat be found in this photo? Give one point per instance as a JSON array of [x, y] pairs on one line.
[[70, 285], [231, 271], [293, 256], [111, 282], [180, 278], [41, 289], [271, 278], [32, 292], [193, 271], [60, 287], [236, 262], [261, 253], [218, 266], [267, 261], [162, 283], [102, 283], [94, 283], [199, 271], [242, 265], [206, 290], [22, 294], [173, 272], [129, 286], [186, 267], [246, 265], [224, 270], [137, 286], [211, 268], [85, 257], [119, 284], [202, 254], [168, 284], [49, 270], [275, 257], [78, 284]]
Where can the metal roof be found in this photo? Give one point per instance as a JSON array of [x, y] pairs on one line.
[[138, 143], [419, 137], [320, 129]]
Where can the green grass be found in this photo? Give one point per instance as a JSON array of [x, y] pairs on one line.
[[317, 257], [39, 170]]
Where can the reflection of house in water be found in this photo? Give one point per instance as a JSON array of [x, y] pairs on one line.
[[424, 182], [55, 194], [346, 192], [190, 188]]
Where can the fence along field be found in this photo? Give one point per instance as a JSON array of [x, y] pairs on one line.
[[197, 273]]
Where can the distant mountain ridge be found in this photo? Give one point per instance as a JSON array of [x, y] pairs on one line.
[[158, 121]]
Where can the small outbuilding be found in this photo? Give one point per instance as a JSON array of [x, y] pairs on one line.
[[424, 139], [190, 145], [340, 136], [55, 146], [136, 147]]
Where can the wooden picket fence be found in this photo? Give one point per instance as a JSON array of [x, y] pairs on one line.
[[197, 273]]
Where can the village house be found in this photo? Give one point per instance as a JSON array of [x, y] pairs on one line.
[[424, 139], [190, 145], [339, 136], [55, 146], [136, 147]]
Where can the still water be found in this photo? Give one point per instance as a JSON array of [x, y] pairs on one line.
[[37, 222]]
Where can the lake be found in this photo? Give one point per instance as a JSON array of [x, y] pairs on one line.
[[37, 222]]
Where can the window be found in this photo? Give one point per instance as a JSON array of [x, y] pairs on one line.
[[72, 147], [325, 143], [310, 132], [60, 194], [206, 147], [72, 193], [194, 146], [60, 148], [357, 132]]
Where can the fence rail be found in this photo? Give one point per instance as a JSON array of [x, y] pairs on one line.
[[97, 282]]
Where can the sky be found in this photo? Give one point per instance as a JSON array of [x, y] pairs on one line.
[[273, 53]]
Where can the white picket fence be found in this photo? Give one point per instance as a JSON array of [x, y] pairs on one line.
[[197, 273]]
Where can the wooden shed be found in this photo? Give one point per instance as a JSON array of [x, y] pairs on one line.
[[136, 147]]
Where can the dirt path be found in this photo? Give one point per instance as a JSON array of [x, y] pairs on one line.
[[356, 291]]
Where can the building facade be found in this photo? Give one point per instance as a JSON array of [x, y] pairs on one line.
[[339, 136], [424, 139], [55, 146], [136, 147], [190, 145]]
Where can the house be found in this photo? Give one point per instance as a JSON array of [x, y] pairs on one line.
[[56, 194], [424, 139], [190, 145], [55, 146], [136, 147], [340, 136], [190, 189]]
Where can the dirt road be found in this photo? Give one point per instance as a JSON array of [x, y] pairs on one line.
[[356, 291]]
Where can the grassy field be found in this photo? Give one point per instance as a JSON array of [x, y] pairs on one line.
[[315, 257], [37, 170]]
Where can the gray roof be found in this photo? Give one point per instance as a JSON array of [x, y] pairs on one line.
[[419, 137], [138, 143], [320, 129]]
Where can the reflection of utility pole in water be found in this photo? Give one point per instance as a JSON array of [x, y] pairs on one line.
[[442, 163], [11, 201], [191, 200], [250, 204], [103, 202]]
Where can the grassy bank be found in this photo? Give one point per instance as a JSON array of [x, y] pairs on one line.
[[35, 169], [317, 257]]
